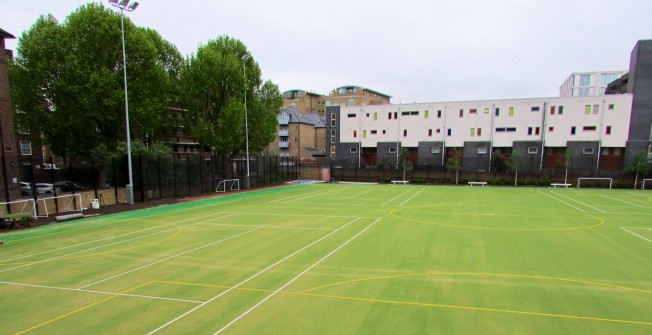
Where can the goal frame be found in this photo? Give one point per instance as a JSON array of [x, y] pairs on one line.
[[643, 183], [221, 186], [611, 180], [32, 209], [70, 206]]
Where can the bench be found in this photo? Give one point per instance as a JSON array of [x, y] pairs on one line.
[[10, 221], [478, 183], [404, 182], [554, 185]]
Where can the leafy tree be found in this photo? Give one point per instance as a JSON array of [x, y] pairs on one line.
[[454, 164], [565, 162], [213, 91], [639, 166], [498, 163], [514, 164], [67, 80], [403, 162]]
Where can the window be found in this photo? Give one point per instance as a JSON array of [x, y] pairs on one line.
[[585, 80], [482, 150], [425, 114], [561, 110], [353, 150], [296, 139], [473, 111], [550, 129], [537, 131], [532, 150], [395, 115], [374, 132], [296, 127], [350, 115], [497, 111], [535, 109], [486, 110], [461, 113], [587, 109], [506, 130], [438, 130], [408, 113], [351, 102], [384, 131], [429, 132], [608, 130], [439, 114], [333, 120], [23, 130], [332, 152], [355, 133], [328, 102], [375, 116], [573, 130], [588, 128], [511, 111], [25, 148], [529, 130], [611, 107], [479, 131], [296, 150], [367, 115], [389, 116], [450, 132], [392, 150], [404, 132], [596, 109], [364, 134], [435, 150], [472, 132], [332, 135], [588, 151], [552, 110]]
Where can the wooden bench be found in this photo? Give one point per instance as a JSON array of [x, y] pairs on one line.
[[554, 185], [478, 183], [404, 182]]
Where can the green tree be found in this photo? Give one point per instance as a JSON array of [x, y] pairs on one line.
[[638, 166], [498, 163], [67, 80], [403, 162], [514, 164], [564, 160], [454, 164], [213, 91]]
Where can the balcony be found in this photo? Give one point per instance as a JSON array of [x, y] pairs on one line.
[[283, 133], [283, 144]]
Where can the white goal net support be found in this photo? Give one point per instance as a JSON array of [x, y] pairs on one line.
[[643, 183], [228, 185], [60, 203], [604, 180], [19, 206]]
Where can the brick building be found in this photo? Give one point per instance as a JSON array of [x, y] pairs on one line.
[[9, 163]]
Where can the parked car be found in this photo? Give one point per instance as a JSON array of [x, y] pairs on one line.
[[68, 186], [46, 188], [26, 188]]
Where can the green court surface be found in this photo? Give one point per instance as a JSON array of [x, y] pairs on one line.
[[342, 259]]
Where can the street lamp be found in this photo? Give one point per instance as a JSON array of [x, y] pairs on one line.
[[124, 5], [245, 58]]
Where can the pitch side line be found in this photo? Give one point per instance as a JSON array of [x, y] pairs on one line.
[[563, 202], [359, 194], [102, 239], [168, 258], [635, 234], [410, 198], [396, 197], [579, 202], [627, 202], [295, 278], [259, 226], [304, 195], [98, 247], [100, 292], [250, 278], [299, 215], [312, 195]]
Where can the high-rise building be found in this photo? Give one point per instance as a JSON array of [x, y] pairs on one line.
[[583, 84]]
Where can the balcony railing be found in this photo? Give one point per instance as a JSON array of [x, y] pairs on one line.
[[283, 144], [285, 133]]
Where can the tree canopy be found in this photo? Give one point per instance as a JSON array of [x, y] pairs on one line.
[[67, 80]]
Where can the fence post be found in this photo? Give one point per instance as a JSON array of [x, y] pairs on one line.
[[174, 175], [158, 169], [142, 178], [94, 177], [188, 173], [212, 172], [115, 182], [201, 173]]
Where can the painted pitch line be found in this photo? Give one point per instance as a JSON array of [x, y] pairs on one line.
[[299, 215], [392, 199], [275, 227], [359, 194], [627, 202], [248, 279], [282, 200], [100, 292], [167, 258], [98, 247], [635, 234], [312, 195], [410, 198], [563, 202], [579, 202], [99, 240], [295, 278]]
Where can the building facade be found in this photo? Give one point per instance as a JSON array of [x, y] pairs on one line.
[[10, 167], [356, 96], [306, 102], [581, 84], [297, 135]]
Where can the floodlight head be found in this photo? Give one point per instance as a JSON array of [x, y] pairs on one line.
[[113, 2], [124, 3], [245, 57], [132, 7]]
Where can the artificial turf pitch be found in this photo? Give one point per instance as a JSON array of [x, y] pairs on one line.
[[342, 259]]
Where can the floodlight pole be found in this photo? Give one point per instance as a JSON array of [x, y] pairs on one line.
[[123, 5], [245, 58]]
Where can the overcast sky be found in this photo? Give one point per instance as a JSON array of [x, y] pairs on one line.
[[413, 50]]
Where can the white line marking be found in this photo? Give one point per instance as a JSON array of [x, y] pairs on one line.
[[635, 234], [639, 195], [359, 194], [251, 226], [101, 292], [627, 202], [295, 278], [99, 247], [410, 198], [282, 200], [248, 279], [168, 258], [297, 215], [103, 239], [392, 199], [563, 202], [312, 195], [579, 202]]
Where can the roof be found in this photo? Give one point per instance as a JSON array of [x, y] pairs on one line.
[[296, 116], [316, 120], [364, 88], [5, 34], [307, 92]]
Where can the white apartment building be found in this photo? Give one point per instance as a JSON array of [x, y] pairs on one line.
[[581, 84]]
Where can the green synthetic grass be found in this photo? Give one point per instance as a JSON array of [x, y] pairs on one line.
[[342, 259]]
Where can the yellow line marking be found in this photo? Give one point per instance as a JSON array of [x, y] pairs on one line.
[[402, 209], [79, 309], [177, 232]]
